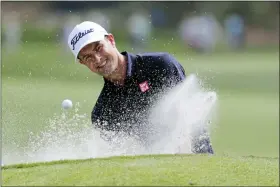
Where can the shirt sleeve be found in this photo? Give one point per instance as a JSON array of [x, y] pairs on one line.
[[174, 70], [101, 114], [96, 114]]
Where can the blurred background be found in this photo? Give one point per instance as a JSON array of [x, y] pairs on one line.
[[232, 46], [201, 26]]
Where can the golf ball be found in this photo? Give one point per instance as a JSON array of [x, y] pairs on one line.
[[67, 104]]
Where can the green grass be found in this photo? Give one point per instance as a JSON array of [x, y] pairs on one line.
[[199, 170], [36, 80]]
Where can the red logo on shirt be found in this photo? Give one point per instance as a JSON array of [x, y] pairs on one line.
[[144, 86]]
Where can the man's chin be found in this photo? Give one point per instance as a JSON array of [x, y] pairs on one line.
[[106, 73]]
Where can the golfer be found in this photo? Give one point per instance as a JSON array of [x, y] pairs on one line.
[[132, 83]]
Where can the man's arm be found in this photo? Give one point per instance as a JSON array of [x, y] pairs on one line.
[[96, 114], [101, 115], [99, 121]]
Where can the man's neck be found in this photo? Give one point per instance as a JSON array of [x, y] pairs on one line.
[[119, 75]]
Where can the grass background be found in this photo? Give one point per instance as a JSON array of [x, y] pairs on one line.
[[37, 79], [184, 170]]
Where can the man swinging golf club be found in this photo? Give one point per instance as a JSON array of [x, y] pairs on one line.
[[132, 83]]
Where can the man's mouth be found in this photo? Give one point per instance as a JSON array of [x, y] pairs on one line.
[[103, 64]]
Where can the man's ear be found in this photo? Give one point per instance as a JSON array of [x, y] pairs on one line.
[[111, 39]]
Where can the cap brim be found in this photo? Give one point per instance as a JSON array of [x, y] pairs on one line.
[[95, 38]]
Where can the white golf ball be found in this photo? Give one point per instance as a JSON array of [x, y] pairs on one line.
[[67, 104]]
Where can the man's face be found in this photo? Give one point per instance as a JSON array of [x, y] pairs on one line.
[[100, 57]]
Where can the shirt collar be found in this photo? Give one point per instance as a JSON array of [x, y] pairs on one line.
[[131, 58]]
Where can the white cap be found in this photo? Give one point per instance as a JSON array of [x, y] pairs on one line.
[[83, 34]]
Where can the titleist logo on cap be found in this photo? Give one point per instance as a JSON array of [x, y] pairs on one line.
[[78, 36]]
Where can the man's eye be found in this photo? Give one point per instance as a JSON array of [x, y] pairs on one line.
[[86, 58], [98, 49]]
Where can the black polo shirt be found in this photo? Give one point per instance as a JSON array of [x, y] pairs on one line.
[[149, 76]]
